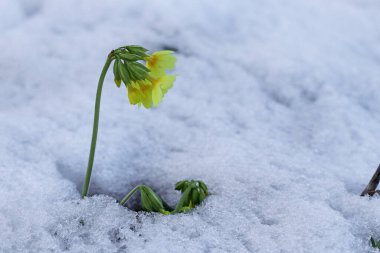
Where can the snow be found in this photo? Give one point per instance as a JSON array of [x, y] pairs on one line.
[[276, 108]]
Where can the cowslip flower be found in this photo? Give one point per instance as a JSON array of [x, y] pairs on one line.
[[147, 82], [145, 78], [161, 61], [193, 192], [151, 92]]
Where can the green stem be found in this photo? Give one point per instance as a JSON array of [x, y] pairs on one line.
[[95, 127], [129, 195]]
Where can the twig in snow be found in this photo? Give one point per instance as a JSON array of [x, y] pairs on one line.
[[372, 185]]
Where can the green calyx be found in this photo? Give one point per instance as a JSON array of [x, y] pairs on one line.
[[116, 72], [193, 194], [127, 66], [150, 201], [137, 50]]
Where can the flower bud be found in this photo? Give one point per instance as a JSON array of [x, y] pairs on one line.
[[116, 72], [130, 57], [193, 193], [124, 74], [137, 50], [150, 201], [181, 185]]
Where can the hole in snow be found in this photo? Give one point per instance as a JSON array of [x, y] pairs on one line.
[[118, 186]]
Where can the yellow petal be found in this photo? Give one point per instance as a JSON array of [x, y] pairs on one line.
[[156, 93], [167, 82], [160, 61], [146, 96], [147, 102], [134, 95]]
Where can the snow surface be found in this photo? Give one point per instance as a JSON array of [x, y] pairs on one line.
[[276, 107]]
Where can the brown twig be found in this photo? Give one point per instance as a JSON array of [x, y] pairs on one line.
[[372, 185]]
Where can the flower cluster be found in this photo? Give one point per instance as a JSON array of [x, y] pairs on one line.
[[146, 83], [193, 194], [150, 201]]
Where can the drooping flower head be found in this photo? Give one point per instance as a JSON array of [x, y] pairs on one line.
[[193, 193], [146, 84]]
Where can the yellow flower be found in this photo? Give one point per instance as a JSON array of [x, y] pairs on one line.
[[140, 95], [160, 61], [147, 84], [138, 83], [160, 87], [150, 95]]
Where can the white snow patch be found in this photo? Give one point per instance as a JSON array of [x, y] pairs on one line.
[[276, 108]]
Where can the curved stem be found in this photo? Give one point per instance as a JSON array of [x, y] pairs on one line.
[[129, 195], [95, 127]]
